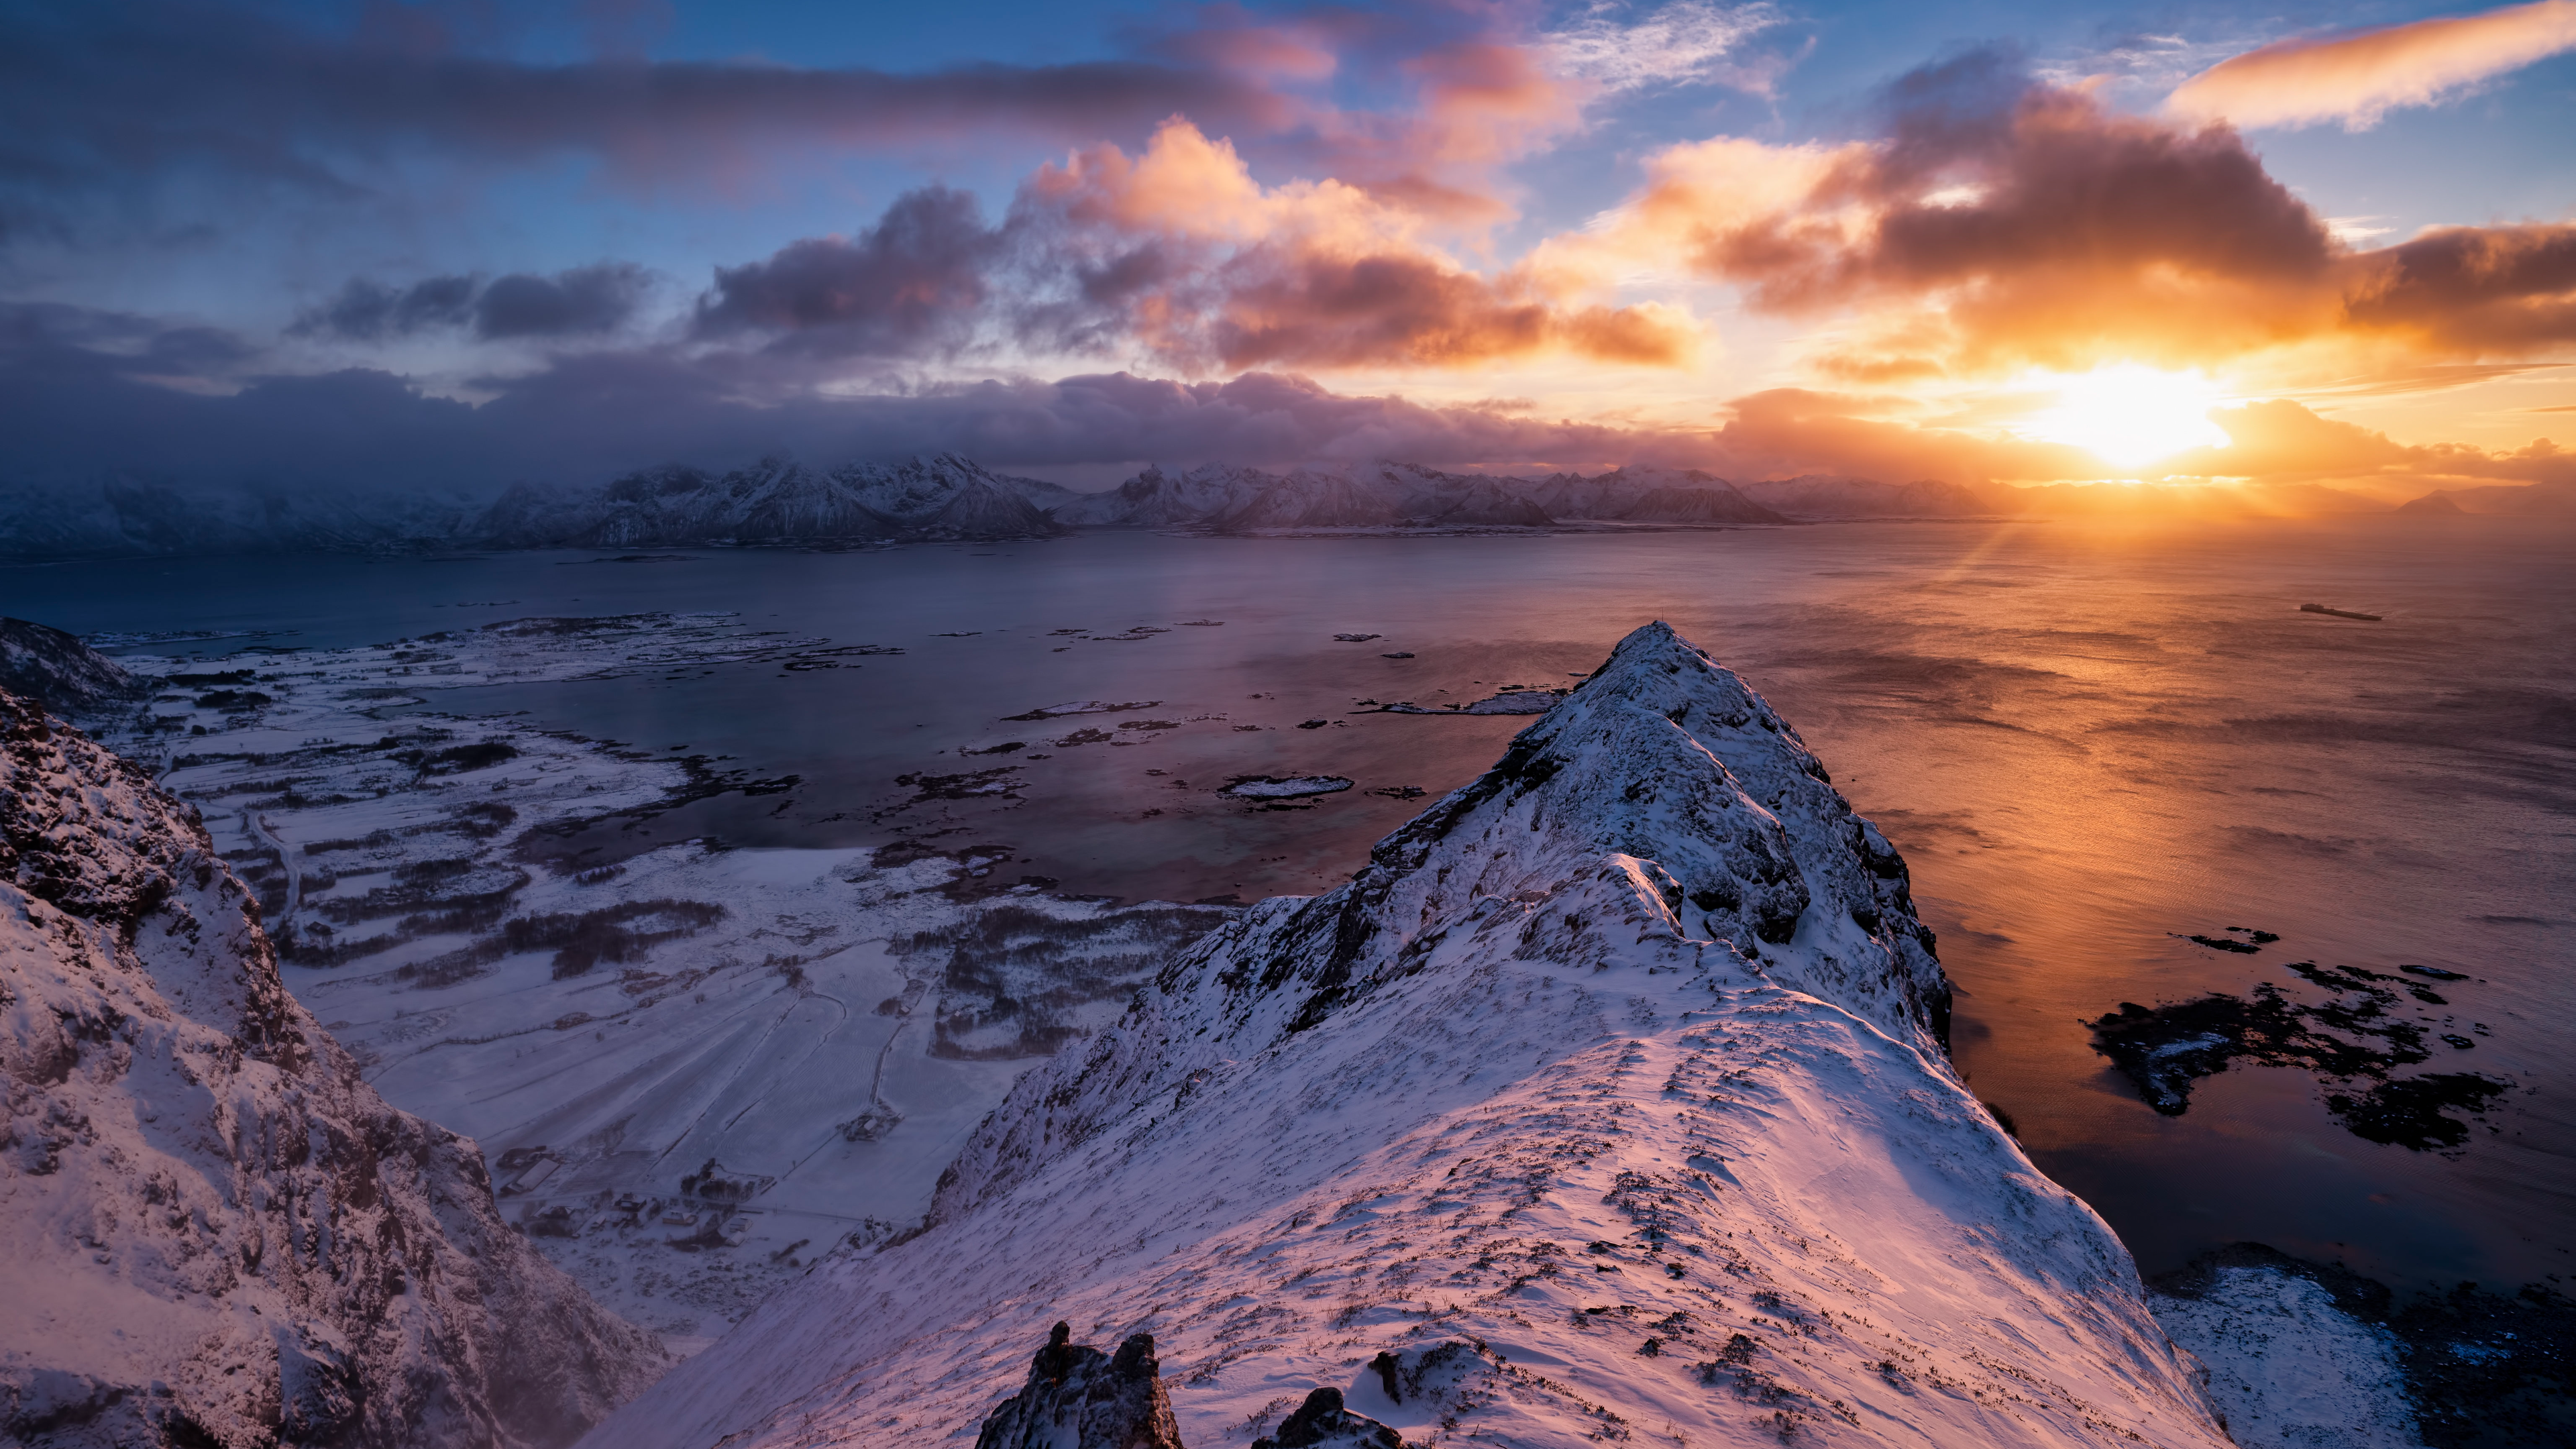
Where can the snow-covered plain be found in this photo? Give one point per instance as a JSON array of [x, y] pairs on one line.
[[1607, 1102], [777, 1051]]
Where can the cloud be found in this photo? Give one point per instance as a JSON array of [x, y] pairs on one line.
[[1788, 431], [913, 284], [2356, 78], [97, 98], [366, 310], [1685, 42], [1996, 224], [1179, 253], [590, 299], [77, 402], [582, 301], [2281, 440], [86, 395], [2479, 290]]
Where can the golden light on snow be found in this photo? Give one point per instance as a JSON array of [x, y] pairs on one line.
[[2129, 415]]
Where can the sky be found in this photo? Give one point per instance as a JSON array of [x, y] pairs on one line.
[[449, 246]]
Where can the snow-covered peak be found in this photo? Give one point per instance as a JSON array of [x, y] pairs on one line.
[[1604, 1103]]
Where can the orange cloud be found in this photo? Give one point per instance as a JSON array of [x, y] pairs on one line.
[[1179, 252], [2357, 78], [1794, 430], [2477, 290], [2000, 224]]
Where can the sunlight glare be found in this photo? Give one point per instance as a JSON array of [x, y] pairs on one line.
[[2131, 415]]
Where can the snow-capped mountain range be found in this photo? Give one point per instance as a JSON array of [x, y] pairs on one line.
[[1607, 1102], [215, 1232], [944, 497]]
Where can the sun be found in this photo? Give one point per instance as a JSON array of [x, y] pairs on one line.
[[2130, 415]]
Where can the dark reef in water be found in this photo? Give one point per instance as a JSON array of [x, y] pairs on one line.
[[2349, 1041]]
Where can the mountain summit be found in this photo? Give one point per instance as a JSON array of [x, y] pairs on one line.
[[1607, 1101]]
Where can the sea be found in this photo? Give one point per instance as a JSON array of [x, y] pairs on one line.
[[2091, 744]]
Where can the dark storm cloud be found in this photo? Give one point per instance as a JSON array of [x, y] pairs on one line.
[[912, 283], [2048, 222], [584, 300], [367, 310], [2501, 289], [1126, 255], [101, 96], [83, 395], [87, 394]]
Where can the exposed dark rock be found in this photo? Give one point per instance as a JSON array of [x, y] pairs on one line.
[[1322, 1423], [1077, 1397]]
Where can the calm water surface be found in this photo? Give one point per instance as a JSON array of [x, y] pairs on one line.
[[2085, 743]]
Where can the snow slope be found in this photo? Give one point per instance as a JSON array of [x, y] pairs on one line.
[[120, 516], [215, 1232], [777, 500], [1650, 495], [58, 671], [2288, 1368], [1605, 1103]]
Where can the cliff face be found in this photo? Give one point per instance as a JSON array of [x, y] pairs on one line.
[[215, 1232], [1607, 1102]]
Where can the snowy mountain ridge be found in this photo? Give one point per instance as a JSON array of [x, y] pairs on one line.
[[216, 1232], [1606, 1103], [942, 497], [777, 500]]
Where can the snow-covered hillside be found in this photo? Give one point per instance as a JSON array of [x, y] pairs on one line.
[[777, 501], [1605, 1103], [1650, 495], [215, 1233], [931, 498], [1385, 494], [59, 671], [124, 516]]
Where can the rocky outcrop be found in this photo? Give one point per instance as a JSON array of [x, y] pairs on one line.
[[1607, 1101], [1077, 1397], [59, 672], [1322, 1422], [216, 1232]]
